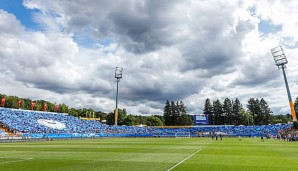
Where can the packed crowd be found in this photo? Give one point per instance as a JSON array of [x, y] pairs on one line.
[[24, 121], [288, 135], [35, 122]]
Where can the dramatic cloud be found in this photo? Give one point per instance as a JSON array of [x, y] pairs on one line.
[[170, 50]]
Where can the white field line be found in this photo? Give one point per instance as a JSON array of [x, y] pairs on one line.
[[23, 159], [184, 160]]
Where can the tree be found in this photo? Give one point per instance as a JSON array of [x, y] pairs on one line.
[[236, 109], [245, 118], [279, 119], [9, 102], [254, 108], [81, 112], [227, 112], [63, 108], [121, 116], [265, 112], [250, 119], [174, 113], [102, 116], [26, 104], [182, 108], [51, 107], [217, 110], [129, 120], [161, 118], [183, 117], [167, 113], [260, 111], [296, 105], [186, 120], [110, 119], [39, 105], [73, 112], [141, 120], [208, 109], [242, 118], [153, 121]]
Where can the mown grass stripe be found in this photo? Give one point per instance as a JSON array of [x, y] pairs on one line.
[[13, 161]]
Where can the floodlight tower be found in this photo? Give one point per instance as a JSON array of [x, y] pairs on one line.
[[118, 76], [281, 61]]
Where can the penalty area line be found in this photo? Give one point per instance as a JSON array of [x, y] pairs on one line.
[[184, 160]]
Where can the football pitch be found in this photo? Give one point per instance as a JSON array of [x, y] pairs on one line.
[[150, 154]]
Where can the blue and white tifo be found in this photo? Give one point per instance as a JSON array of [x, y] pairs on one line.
[[201, 119], [36, 124]]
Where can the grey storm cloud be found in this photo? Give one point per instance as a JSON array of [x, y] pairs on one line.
[[142, 27]]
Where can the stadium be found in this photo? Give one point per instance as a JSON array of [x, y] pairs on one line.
[[187, 67]]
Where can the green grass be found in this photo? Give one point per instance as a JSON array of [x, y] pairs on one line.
[[144, 154]]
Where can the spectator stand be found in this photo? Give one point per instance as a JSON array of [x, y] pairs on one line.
[[47, 125]]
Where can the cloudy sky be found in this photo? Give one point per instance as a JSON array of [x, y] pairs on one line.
[[66, 52]]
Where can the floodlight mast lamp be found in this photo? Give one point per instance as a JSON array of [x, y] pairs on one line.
[[281, 61], [118, 76]]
